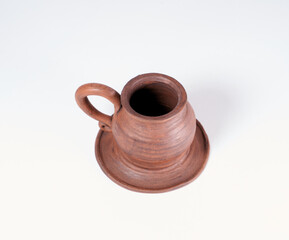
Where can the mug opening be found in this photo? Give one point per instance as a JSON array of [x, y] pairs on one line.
[[154, 99]]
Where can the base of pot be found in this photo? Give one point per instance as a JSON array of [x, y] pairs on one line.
[[152, 181]]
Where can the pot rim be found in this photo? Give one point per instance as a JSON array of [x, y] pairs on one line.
[[151, 78]]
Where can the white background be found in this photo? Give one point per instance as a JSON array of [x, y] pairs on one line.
[[232, 57]]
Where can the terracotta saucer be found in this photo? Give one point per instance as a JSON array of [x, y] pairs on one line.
[[139, 179]]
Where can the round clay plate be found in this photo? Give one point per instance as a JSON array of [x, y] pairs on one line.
[[152, 181]]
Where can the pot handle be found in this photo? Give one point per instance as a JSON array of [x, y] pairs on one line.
[[99, 90]]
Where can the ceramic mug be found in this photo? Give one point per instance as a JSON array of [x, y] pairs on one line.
[[152, 142]]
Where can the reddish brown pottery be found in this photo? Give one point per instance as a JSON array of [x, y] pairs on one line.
[[152, 142]]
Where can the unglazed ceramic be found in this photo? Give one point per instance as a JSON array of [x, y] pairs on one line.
[[152, 142]]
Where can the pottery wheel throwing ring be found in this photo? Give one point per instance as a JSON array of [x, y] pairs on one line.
[[143, 180], [153, 142]]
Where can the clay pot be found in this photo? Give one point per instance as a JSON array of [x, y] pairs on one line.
[[152, 142]]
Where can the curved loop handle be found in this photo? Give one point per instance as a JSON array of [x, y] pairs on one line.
[[99, 90]]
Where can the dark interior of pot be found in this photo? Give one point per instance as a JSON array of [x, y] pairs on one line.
[[154, 99]]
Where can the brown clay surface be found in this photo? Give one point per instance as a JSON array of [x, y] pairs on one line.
[[127, 175], [152, 142]]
